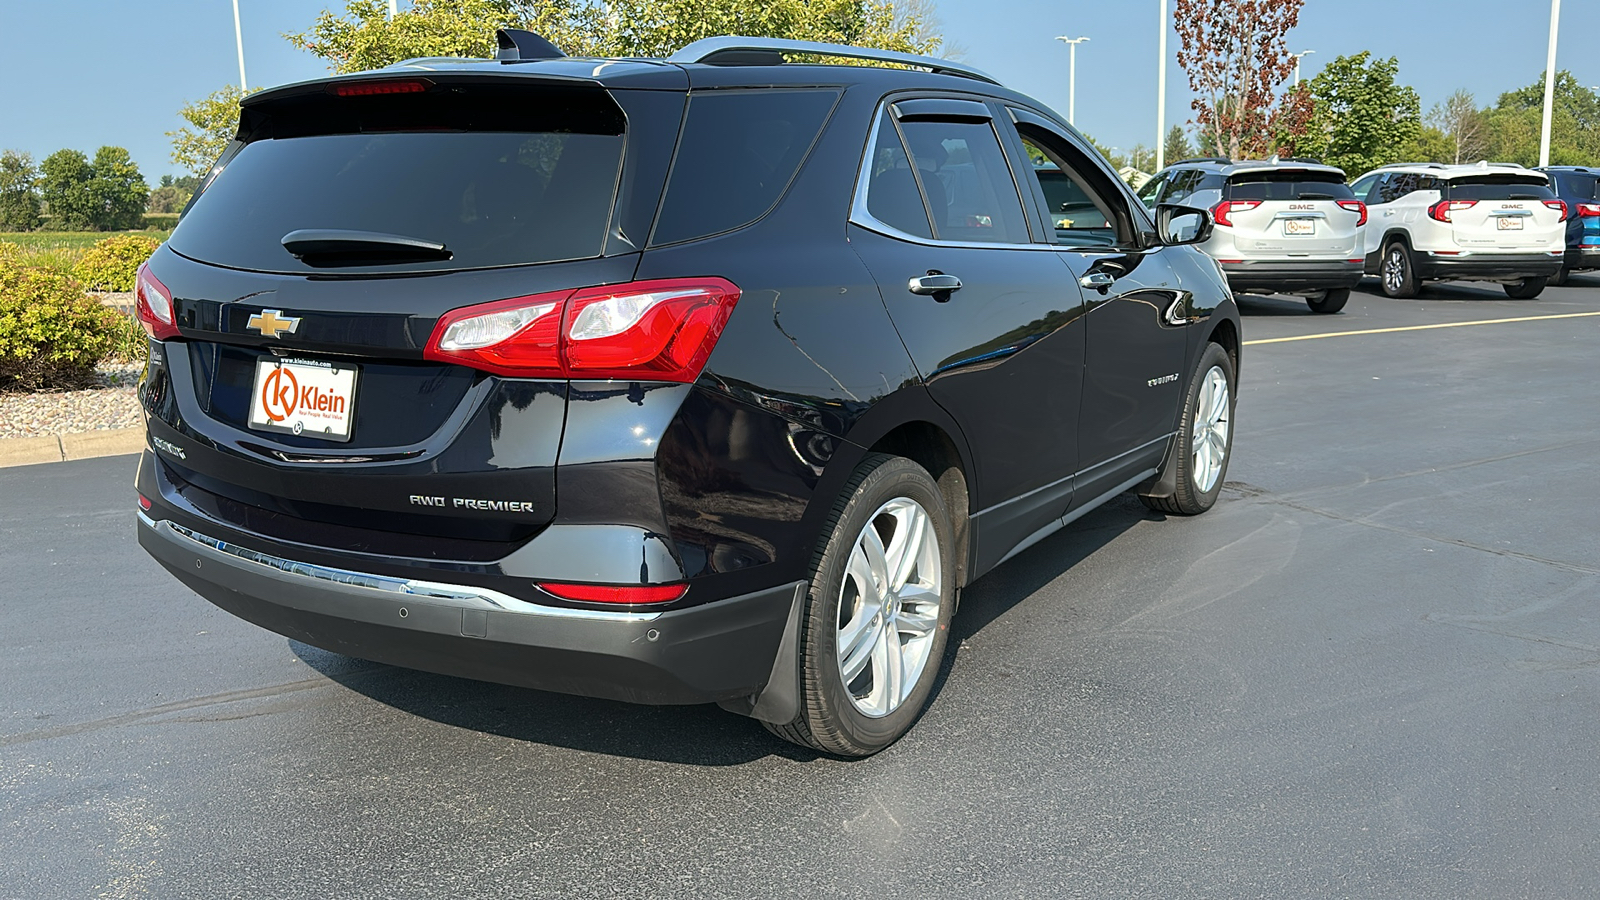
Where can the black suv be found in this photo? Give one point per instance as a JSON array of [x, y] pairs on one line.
[[1579, 189], [706, 379]]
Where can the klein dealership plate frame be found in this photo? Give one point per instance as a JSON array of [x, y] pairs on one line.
[[307, 397]]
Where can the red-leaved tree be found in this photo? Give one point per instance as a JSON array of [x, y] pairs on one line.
[[1235, 55]]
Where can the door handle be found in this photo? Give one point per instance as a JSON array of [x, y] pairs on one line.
[[935, 284], [1099, 281]]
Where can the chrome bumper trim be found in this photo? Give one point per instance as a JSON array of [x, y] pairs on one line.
[[463, 596]]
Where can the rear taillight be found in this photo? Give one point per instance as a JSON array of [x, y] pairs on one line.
[[144, 502], [1440, 212], [646, 330], [1589, 210], [153, 305], [1559, 206], [1357, 207], [616, 593], [1222, 212]]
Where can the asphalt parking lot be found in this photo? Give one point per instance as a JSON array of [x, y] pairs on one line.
[[1371, 671]]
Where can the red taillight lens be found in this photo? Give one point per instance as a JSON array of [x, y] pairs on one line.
[[616, 593], [1441, 211], [1559, 206], [153, 305], [144, 502], [1355, 206], [1589, 210], [646, 330], [372, 88], [1222, 213]]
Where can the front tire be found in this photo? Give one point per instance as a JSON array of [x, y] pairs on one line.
[[1526, 289], [1205, 441], [1330, 301], [1397, 273], [877, 617]]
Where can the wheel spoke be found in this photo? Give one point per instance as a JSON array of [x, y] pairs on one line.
[[888, 669], [856, 644], [906, 546], [919, 623], [872, 546]]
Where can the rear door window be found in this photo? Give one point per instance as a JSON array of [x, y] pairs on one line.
[[1288, 185], [739, 151], [500, 176], [966, 181], [1498, 187]]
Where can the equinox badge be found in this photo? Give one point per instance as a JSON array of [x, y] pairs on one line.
[[269, 323]]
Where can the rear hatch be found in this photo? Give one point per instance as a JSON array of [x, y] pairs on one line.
[[307, 279], [1287, 213], [1503, 212]]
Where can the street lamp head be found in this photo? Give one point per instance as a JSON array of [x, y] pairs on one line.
[[1071, 40]]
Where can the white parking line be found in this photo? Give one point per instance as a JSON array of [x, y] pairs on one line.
[[1312, 337]]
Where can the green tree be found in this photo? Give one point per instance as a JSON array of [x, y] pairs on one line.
[[1361, 117], [363, 36], [1177, 145], [1513, 124], [19, 192], [1430, 144], [117, 191], [64, 188], [213, 121]]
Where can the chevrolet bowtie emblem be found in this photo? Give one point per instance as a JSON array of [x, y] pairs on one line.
[[273, 323]]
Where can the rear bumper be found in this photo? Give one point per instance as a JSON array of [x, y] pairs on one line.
[[1582, 258], [1487, 266], [1292, 275], [718, 651]]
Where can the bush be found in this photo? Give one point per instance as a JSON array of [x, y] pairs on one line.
[[52, 335], [111, 264]]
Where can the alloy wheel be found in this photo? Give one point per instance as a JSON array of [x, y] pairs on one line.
[[1394, 271], [1210, 433], [889, 607]]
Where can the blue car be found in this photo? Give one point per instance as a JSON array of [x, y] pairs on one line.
[[1577, 187]]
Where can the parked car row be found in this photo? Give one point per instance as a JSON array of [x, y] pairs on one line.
[[1294, 226]]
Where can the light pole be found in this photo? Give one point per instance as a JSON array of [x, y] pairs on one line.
[[1297, 64], [394, 9], [1549, 84], [238, 38], [1072, 76], [1161, 94]]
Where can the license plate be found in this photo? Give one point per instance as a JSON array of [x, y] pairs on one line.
[[304, 396], [1509, 223], [1299, 226]]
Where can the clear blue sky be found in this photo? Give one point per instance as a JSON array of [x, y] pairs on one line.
[[81, 74]]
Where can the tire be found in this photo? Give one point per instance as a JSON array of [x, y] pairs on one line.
[[1199, 480], [1526, 289], [861, 715], [1559, 278], [1396, 272], [1330, 301]]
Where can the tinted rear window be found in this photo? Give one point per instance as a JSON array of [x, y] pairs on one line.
[[500, 177], [1577, 185], [738, 152], [1288, 185], [1497, 187]]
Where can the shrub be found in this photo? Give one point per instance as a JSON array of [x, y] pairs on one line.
[[51, 334], [111, 264]]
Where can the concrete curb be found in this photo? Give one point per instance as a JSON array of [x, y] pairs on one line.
[[29, 451]]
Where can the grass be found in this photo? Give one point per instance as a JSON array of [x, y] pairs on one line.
[[58, 251]]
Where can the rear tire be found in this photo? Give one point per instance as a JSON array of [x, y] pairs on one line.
[[1526, 289], [860, 701], [1559, 278], [1330, 301], [1205, 441], [1397, 272]]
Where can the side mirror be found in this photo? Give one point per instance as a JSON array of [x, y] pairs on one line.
[[1182, 224]]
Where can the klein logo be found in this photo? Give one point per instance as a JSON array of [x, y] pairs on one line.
[[269, 323], [281, 395]]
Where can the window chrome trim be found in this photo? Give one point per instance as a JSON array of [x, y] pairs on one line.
[[455, 595]]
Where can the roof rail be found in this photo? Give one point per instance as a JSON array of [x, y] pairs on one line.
[[1198, 159], [1485, 164], [1412, 165], [748, 51]]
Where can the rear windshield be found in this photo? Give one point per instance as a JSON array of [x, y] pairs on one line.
[[1577, 185], [1497, 187], [1288, 184], [739, 151], [499, 177]]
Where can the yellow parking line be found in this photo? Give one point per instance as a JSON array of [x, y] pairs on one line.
[[1312, 337]]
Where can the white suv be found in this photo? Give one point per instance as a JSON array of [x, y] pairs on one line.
[[1287, 226], [1484, 222]]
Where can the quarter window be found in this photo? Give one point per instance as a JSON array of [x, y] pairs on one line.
[[892, 194]]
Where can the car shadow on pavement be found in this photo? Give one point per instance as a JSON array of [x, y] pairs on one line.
[[1271, 305], [691, 735]]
